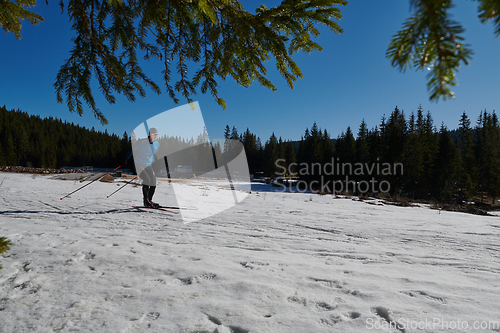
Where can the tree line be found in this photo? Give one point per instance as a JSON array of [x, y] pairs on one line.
[[409, 153], [30, 141]]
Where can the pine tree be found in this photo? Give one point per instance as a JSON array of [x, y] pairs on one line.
[[467, 167], [314, 144], [374, 145], [227, 137], [346, 147], [227, 132], [487, 146], [271, 156], [259, 163], [362, 148], [250, 144], [446, 167], [327, 147], [413, 157], [234, 134], [395, 136], [427, 137]]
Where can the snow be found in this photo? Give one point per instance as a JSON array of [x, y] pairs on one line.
[[276, 262]]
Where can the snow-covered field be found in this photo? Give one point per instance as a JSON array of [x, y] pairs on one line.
[[277, 262]]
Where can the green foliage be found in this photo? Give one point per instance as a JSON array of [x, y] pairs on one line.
[[200, 42], [12, 12], [489, 10], [430, 40], [4, 246]]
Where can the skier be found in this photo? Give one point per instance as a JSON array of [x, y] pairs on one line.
[[144, 157]]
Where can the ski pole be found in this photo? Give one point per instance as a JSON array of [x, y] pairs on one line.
[[78, 189], [123, 186]]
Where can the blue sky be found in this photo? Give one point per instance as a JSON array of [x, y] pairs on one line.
[[349, 81]]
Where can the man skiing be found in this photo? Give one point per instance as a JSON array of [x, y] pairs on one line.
[[144, 157]]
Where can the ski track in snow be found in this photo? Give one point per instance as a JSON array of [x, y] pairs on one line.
[[277, 262]]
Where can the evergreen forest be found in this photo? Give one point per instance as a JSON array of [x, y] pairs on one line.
[[30, 141], [417, 159]]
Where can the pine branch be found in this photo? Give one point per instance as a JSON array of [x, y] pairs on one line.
[[430, 40], [216, 37], [11, 14], [490, 10]]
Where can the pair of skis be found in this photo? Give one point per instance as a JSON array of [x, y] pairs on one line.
[[171, 209]]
